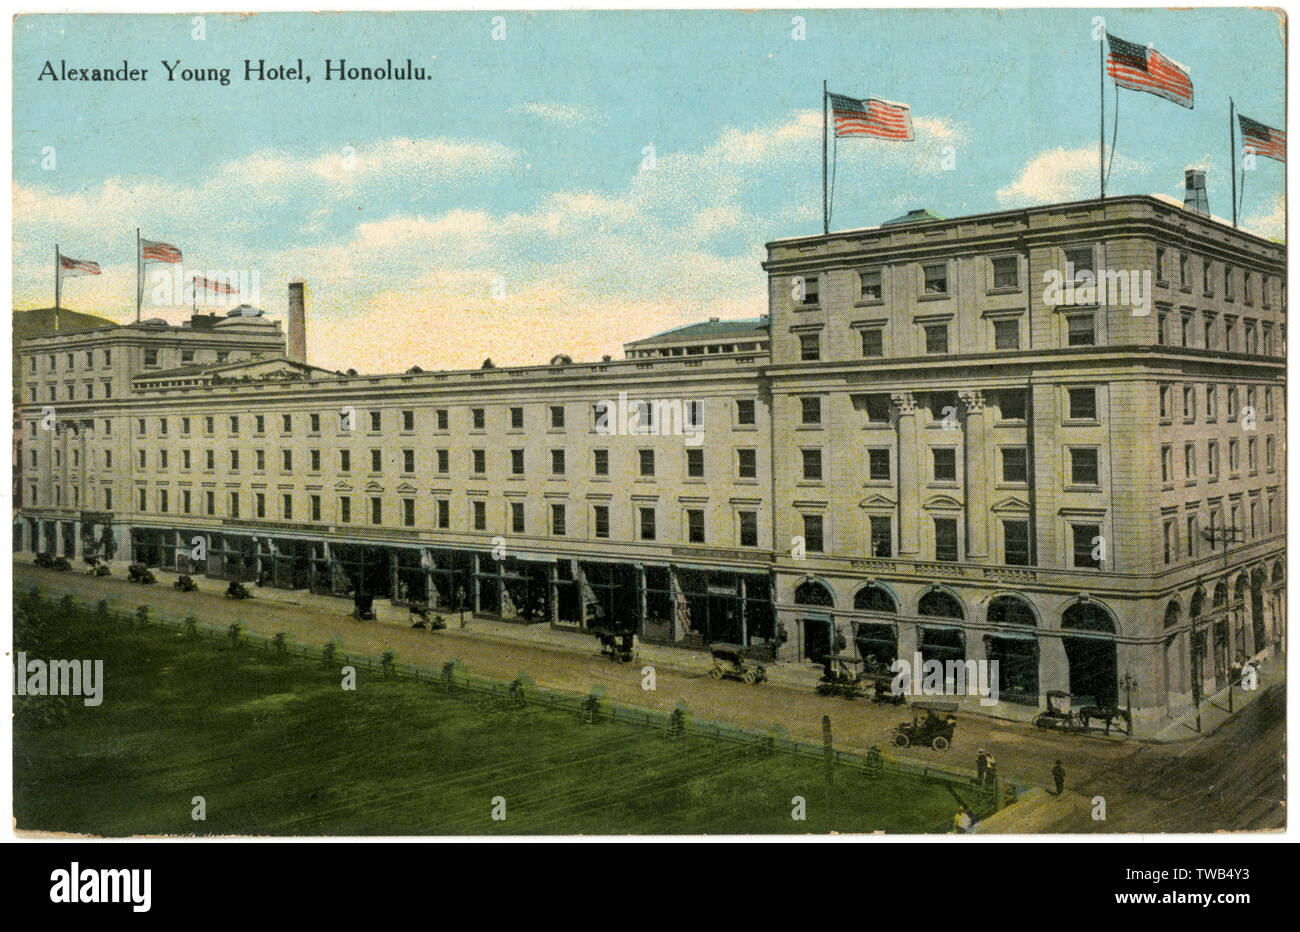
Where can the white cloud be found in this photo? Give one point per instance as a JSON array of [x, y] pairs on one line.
[[1270, 223], [559, 114]]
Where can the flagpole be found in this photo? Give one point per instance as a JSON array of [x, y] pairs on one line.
[[139, 292], [57, 265], [1101, 127], [1232, 145], [826, 216]]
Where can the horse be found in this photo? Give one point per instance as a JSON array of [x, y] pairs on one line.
[[1108, 716]]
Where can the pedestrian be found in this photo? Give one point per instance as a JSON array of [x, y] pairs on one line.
[[990, 766], [961, 822], [981, 765], [1058, 777]]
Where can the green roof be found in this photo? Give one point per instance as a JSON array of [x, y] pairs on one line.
[[754, 327], [39, 322], [920, 215]]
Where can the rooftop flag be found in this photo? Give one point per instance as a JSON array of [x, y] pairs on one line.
[[1263, 140], [1142, 68], [151, 251], [214, 286], [872, 117], [70, 268]]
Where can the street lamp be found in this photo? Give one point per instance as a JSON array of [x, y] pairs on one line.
[[460, 600], [1129, 685], [1228, 535]]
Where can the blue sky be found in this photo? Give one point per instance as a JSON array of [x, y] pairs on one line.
[[507, 195]]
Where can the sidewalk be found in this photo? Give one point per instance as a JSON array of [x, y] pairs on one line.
[[1214, 709]]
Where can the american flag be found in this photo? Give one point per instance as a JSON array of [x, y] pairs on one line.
[[1142, 68], [214, 286], [1263, 140], [158, 252], [70, 268], [871, 117]]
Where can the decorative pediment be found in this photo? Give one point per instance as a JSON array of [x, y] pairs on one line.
[[343, 486], [878, 501], [1013, 504], [373, 486], [941, 501], [406, 488]]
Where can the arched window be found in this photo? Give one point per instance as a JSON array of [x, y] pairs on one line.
[[874, 599], [1220, 595], [1087, 616], [1171, 614], [1242, 588], [1011, 610], [939, 604], [1198, 603], [811, 592], [1279, 573]]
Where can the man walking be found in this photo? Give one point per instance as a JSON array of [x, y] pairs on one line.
[[1058, 776]]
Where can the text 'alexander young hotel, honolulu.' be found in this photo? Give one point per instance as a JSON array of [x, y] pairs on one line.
[[922, 447]]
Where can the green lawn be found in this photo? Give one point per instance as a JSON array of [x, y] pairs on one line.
[[276, 747]]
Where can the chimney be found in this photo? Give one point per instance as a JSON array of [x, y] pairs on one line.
[[1195, 198], [297, 322]]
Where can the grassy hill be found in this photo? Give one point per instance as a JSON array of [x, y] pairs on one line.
[[40, 321]]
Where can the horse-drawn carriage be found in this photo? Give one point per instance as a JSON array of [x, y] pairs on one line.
[[1073, 715], [729, 661], [420, 616], [932, 725]]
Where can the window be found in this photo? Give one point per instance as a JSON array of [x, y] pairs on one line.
[[345, 460], [345, 508], [313, 421], [287, 422], [151, 357], [557, 462], [809, 347], [602, 462], [1189, 460], [811, 286], [601, 513], [647, 516], [234, 425], [376, 510], [1160, 264], [936, 278], [287, 456], [1186, 334], [1167, 463], [1012, 405], [646, 460], [517, 462], [1227, 282], [480, 462], [745, 412], [695, 463], [1212, 459], [478, 417], [444, 513], [1185, 271], [376, 421], [234, 460], [557, 417], [945, 464], [945, 540], [1234, 460], [810, 409], [1079, 259], [1189, 403], [869, 283], [1252, 462], [441, 418], [873, 341], [211, 460], [812, 533], [749, 528], [376, 460], [1207, 286], [1162, 328], [516, 517], [1006, 272], [516, 418], [936, 338], [878, 465], [1269, 458], [1006, 334], [1232, 402], [1084, 537], [882, 536], [408, 461], [695, 526], [444, 462], [1083, 466], [315, 460], [747, 464], [812, 465], [1015, 464], [1211, 402], [408, 421], [1081, 330], [1083, 404], [1015, 543], [1171, 541]]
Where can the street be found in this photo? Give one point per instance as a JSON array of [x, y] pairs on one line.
[[1234, 779]]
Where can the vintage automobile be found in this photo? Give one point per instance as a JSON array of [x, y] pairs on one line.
[[932, 725], [729, 661], [616, 645], [420, 617]]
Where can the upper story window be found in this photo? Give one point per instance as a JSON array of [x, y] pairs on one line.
[[479, 418], [151, 357], [1006, 334], [1080, 259], [1228, 292], [810, 410], [1207, 279], [1250, 288], [1081, 330], [810, 349], [1006, 272], [809, 288], [745, 411], [936, 278], [1161, 256], [557, 417], [936, 338], [1083, 404], [870, 285], [873, 341], [1185, 271]]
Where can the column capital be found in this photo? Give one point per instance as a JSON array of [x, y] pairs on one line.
[[972, 398], [905, 402]]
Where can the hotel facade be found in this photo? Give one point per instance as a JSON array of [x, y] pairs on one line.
[[938, 440]]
